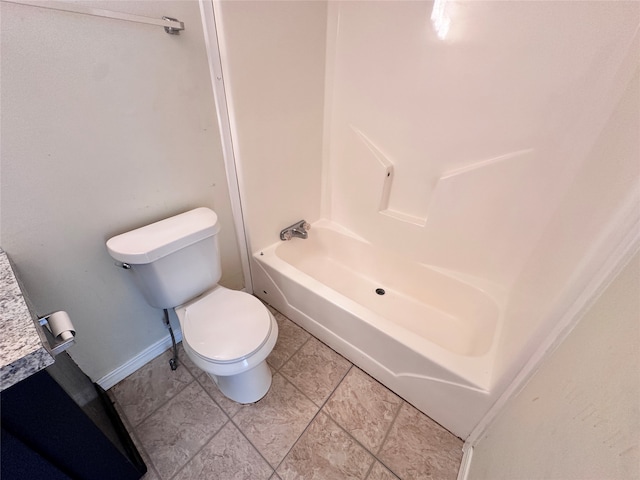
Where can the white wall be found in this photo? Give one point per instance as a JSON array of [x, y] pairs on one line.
[[273, 59], [106, 125], [579, 416]]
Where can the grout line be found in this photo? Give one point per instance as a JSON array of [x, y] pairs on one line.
[[316, 414], [207, 442], [254, 447], [320, 409], [366, 449], [297, 350], [356, 441], [250, 442], [145, 418], [229, 420], [152, 466], [297, 439], [384, 440], [136, 439], [304, 430], [365, 372], [366, 476], [395, 417], [135, 429], [275, 371]]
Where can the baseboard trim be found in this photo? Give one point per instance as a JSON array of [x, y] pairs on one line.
[[465, 464], [144, 357]]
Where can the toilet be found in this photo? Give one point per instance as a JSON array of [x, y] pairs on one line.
[[227, 333]]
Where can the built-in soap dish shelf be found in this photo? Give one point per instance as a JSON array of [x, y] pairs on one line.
[[386, 167]]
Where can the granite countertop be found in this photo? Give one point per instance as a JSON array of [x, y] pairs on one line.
[[22, 352]]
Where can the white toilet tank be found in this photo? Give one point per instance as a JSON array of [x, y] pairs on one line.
[[173, 260]]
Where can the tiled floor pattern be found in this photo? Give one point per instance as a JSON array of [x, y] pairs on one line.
[[323, 419]]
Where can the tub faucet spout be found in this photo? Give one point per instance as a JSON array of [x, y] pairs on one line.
[[298, 229]]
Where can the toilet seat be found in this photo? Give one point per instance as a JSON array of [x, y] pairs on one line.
[[225, 326]]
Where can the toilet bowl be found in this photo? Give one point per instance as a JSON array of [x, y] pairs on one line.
[[176, 264], [233, 353]]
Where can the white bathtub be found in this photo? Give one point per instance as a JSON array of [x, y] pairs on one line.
[[429, 337]]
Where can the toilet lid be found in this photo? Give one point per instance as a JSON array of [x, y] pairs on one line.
[[226, 325]]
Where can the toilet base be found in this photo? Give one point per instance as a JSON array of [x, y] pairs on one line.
[[245, 387]]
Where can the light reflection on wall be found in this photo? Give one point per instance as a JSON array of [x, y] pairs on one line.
[[440, 19]]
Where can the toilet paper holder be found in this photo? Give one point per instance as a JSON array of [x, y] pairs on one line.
[[59, 331]]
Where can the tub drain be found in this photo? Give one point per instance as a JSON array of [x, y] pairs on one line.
[[380, 291]]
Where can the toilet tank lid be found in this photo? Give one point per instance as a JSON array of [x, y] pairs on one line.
[[151, 242]]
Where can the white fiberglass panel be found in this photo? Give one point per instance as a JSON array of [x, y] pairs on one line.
[[484, 129]]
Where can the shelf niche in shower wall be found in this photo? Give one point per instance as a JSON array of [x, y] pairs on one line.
[[383, 175]]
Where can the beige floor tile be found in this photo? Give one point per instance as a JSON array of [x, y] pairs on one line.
[[364, 408], [228, 456], [151, 473], [325, 452], [290, 338], [316, 370], [149, 387], [175, 432], [181, 425], [229, 406], [418, 448], [380, 472], [274, 423]]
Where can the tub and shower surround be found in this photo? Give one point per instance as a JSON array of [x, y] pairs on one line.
[[477, 163]]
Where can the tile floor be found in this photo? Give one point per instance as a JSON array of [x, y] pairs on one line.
[[323, 418]]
